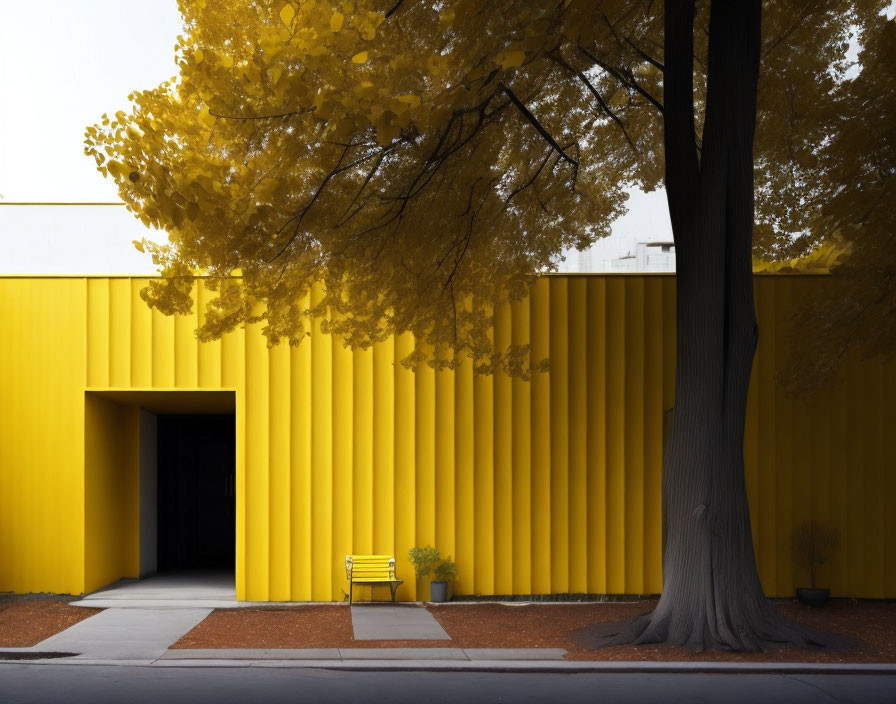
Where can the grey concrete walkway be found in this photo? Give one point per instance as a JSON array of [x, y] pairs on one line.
[[179, 589], [124, 634], [395, 623]]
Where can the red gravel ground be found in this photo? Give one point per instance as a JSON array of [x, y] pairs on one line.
[[491, 625], [873, 624], [26, 622], [324, 626]]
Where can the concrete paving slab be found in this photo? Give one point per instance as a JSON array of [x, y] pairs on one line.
[[395, 623], [125, 634], [252, 654], [166, 604], [174, 589], [380, 615], [515, 653], [406, 632], [402, 654]]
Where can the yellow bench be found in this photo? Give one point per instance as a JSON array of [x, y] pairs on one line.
[[371, 569]]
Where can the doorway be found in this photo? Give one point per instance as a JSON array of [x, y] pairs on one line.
[[160, 488], [196, 493]]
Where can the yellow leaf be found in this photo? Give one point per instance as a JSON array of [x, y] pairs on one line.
[[446, 19], [275, 73], [366, 84], [116, 168], [336, 21], [287, 14], [138, 245], [205, 118], [360, 58], [409, 99], [198, 56], [385, 134], [226, 60], [512, 59]]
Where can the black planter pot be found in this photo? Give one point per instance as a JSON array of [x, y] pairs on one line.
[[438, 591], [813, 597]]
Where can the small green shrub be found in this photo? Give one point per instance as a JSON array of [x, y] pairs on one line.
[[424, 560], [446, 572]]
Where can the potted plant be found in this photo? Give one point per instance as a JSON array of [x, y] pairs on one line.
[[427, 561], [812, 546], [444, 574], [424, 560]]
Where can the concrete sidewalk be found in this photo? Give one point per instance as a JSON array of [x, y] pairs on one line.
[[424, 660], [149, 615], [350, 654], [124, 634], [406, 622]]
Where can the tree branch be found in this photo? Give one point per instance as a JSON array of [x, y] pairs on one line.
[[301, 214], [644, 55], [682, 167], [392, 9], [260, 117], [800, 22], [597, 96], [529, 182], [537, 125], [626, 80]]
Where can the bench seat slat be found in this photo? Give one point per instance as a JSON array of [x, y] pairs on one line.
[[377, 581], [370, 573]]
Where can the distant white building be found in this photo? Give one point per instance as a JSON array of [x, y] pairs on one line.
[[648, 257], [613, 256]]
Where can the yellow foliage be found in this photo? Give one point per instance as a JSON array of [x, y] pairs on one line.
[[821, 260], [336, 21], [287, 14], [512, 59], [402, 162]]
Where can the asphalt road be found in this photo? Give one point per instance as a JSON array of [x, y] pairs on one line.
[[21, 683]]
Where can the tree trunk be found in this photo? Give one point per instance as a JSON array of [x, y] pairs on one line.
[[712, 597]]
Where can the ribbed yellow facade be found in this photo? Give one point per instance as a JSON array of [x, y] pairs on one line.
[[546, 486]]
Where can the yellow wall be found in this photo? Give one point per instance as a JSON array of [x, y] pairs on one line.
[[42, 362], [111, 492], [548, 486]]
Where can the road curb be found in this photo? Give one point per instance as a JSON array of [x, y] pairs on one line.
[[508, 666]]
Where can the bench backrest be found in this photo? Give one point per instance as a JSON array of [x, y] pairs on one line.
[[370, 568]]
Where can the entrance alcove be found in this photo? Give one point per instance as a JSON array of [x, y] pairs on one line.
[[159, 486]]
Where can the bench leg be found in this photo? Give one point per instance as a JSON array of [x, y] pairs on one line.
[[350, 590], [393, 588]]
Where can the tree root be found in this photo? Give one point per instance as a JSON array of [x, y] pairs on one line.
[[768, 630]]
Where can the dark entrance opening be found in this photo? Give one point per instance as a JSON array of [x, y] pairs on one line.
[[196, 492]]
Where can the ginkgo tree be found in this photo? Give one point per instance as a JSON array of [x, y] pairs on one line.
[[420, 162], [858, 209]]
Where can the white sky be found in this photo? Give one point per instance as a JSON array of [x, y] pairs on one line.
[[62, 64]]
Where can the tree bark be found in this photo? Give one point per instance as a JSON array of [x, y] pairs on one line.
[[712, 597]]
